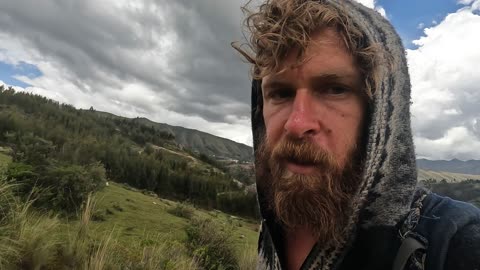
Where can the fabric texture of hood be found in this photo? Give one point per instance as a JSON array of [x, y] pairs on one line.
[[389, 174]]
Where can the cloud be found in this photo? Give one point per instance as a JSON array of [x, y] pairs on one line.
[[373, 5], [445, 78], [367, 3], [457, 142], [170, 61], [465, 2]]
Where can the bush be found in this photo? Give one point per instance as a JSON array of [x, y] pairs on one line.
[[212, 244], [58, 187], [182, 210], [468, 190]]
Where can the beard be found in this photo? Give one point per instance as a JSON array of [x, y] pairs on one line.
[[320, 201]]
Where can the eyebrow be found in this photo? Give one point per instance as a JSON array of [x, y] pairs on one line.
[[275, 82]]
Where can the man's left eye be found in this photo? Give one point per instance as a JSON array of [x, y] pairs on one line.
[[337, 90]]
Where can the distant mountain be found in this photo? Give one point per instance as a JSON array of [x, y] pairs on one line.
[[202, 142], [447, 176], [453, 166]]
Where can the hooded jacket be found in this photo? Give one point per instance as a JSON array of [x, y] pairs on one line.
[[388, 195]]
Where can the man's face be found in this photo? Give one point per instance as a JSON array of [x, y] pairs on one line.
[[319, 101], [313, 114]]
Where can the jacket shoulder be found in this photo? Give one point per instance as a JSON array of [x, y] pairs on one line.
[[464, 249], [452, 230]]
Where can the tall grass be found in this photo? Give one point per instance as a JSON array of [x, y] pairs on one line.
[[247, 259], [25, 236], [30, 239], [212, 244]]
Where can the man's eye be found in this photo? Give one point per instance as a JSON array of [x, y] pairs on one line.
[[337, 90], [279, 94]]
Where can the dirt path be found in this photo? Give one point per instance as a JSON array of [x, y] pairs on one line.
[[194, 160]]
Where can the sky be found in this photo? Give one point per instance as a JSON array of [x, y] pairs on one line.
[[171, 61]]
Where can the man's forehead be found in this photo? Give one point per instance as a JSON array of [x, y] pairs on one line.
[[325, 55]]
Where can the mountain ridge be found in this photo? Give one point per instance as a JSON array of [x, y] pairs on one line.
[[200, 141], [453, 166]]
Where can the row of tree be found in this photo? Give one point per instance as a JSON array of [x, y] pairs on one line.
[[72, 152]]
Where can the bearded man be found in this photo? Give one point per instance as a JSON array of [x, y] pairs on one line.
[[335, 161]]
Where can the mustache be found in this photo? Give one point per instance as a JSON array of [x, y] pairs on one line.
[[303, 152]]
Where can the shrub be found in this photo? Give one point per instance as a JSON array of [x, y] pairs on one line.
[[212, 244], [182, 210], [59, 187]]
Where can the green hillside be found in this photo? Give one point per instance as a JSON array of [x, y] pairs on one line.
[[198, 141], [121, 228], [134, 215]]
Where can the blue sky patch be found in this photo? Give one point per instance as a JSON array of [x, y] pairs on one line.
[[8, 71], [407, 15]]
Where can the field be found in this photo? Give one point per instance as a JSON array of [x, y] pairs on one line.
[[120, 228], [133, 215]]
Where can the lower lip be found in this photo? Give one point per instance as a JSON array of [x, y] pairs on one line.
[[300, 169]]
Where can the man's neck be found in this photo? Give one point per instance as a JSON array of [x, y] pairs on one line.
[[298, 244]]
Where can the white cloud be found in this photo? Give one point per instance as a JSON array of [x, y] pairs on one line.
[[420, 26], [465, 2], [445, 78], [457, 142], [373, 5], [367, 3], [382, 11]]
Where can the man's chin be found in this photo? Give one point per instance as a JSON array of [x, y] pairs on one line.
[[302, 206]]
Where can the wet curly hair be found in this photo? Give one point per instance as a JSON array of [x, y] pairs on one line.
[[278, 26]]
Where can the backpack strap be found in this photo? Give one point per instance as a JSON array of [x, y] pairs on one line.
[[407, 249], [410, 243]]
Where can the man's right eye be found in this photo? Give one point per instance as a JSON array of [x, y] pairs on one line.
[[280, 94]]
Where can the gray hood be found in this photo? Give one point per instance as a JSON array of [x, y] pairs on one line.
[[389, 174]]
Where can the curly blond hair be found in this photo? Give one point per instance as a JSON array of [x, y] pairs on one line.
[[281, 25]]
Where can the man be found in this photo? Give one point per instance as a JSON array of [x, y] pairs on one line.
[[335, 161]]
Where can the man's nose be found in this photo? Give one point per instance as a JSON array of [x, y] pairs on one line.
[[302, 121]]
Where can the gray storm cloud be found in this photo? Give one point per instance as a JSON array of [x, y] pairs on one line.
[[178, 49]]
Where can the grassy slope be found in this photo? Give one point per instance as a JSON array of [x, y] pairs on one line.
[[135, 220], [134, 217], [449, 177]]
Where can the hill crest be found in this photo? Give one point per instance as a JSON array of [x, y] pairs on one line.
[[199, 141]]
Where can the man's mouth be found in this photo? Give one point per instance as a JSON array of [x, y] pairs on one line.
[[299, 167]]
